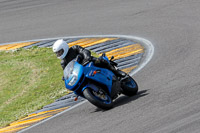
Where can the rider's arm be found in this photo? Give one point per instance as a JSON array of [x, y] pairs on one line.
[[86, 54], [63, 64]]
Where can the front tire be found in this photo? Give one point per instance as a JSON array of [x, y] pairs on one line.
[[102, 100], [129, 86]]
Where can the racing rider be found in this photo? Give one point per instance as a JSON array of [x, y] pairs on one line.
[[82, 55]]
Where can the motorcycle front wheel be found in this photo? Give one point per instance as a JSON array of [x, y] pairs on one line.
[[100, 99], [129, 86]]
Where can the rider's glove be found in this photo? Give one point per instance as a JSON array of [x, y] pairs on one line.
[[78, 58], [103, 61]]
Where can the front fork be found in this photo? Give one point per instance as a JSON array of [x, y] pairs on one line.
[[116, 87]]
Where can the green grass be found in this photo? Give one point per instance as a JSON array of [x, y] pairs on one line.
[[29, 80]]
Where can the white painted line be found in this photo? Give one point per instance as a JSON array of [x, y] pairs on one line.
[[148, 55]]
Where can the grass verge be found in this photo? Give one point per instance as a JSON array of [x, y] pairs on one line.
[[30, 79]]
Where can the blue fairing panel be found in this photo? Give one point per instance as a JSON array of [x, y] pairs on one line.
[[102, 76]]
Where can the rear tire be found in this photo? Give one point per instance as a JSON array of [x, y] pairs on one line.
[[105, 103], [129, 86]]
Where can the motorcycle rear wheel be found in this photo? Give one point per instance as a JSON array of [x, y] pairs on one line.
[[102, 100]]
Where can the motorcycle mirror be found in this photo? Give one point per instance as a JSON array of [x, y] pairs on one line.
[[112, 58]]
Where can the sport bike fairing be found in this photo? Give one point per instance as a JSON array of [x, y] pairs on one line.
[[74, 71]]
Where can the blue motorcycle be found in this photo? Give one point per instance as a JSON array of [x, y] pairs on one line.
[[99, 86]]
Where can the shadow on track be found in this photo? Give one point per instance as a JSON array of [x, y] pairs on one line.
[[125, 100]]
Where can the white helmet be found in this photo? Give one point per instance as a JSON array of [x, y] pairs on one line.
[[60, 47]]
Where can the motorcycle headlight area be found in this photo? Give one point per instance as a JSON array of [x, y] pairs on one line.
[[73, 80], [70, 74]]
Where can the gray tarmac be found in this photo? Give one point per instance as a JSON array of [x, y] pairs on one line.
[[169, 86]]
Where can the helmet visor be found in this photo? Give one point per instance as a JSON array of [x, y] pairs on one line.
[[59, 53]]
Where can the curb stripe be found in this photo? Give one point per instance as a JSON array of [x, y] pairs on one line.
[[81, 42], [5, 130], [129, 65], [122, 63], [111, 42], [129, 58], [40, 44], [30, 119], [89, 42], [129, 69], [15, 46], [111, 47], [49, 112], [98, 41], [125, 51]]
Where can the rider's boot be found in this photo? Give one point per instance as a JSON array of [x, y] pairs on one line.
[[118, 73]]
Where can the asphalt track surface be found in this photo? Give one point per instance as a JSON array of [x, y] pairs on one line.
[[168, 99]]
